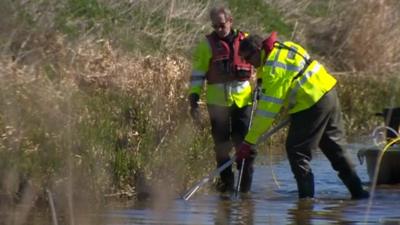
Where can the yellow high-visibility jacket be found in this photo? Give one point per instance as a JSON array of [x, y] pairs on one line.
[[223, 94], [284, 85]]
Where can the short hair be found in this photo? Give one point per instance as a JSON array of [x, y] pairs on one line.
[[215, 11], [251, 43]]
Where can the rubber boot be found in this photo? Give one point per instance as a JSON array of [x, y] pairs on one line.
[[353, 184], [226, 181], [305, 186]]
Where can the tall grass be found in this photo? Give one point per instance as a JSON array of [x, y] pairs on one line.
[[105, 124], [360, 38], [364, 95]]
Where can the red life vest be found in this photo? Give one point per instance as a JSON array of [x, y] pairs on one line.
[[224, 65], [268, 44]]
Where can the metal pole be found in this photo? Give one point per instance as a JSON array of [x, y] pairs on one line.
[[205, 179], [253, 108], [254, 101], [217, 171], [52, 208], [239, 178]]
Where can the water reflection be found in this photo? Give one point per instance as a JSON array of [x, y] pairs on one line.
[[319, 211], [302, 212], [272, 204], [234, 212], [267, 203]]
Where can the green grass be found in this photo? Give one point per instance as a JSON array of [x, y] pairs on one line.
[[146, 27], [259, 16], [364, 95], [318, 8]]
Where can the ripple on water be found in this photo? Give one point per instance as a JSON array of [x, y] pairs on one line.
[[274, 201]]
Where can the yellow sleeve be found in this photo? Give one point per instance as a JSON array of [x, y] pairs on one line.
[[200, 65], [272, 98]]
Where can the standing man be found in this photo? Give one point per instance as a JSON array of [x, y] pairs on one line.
[[291, 78], [217, 64]]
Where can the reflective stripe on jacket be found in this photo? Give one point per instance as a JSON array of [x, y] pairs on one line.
[[225, 93], [286, 83]]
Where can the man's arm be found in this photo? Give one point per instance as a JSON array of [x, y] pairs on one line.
[[272, 97], [201, 59], [200, 65]]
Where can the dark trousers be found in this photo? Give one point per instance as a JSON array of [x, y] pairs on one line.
[[320, 126], [229, 126]]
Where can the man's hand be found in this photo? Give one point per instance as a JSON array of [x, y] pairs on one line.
[[244, 151], [194, 106]]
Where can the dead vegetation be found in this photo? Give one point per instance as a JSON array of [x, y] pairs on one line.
[[86, 115], [352, 36]]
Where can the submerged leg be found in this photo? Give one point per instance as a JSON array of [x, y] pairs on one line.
[[332, 145], [247, 177], [220, 130]]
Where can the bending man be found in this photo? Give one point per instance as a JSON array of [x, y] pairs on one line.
[[291, 78]]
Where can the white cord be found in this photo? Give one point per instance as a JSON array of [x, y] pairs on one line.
[[378, 133]]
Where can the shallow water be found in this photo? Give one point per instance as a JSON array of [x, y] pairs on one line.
[[272, 202]]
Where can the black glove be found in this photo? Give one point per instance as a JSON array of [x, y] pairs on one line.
[[194, 106], [193, 100]]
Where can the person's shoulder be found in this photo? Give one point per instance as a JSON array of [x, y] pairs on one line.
[[240, 33], [291, 44], [245, 34], [203, 42], [203, 45]]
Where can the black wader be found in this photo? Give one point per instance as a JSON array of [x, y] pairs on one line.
[[229, 126], [320, 126]]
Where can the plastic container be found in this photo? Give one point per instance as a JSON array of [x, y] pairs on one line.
[[389, 171]]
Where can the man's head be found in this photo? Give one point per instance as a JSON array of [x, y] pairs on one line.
[[250, 50], [221, 20]]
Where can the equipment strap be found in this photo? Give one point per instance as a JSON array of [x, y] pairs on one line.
[[307, 60]]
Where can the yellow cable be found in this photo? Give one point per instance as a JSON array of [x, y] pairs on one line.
[[376, 173], [390, 144], [272, 170]]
